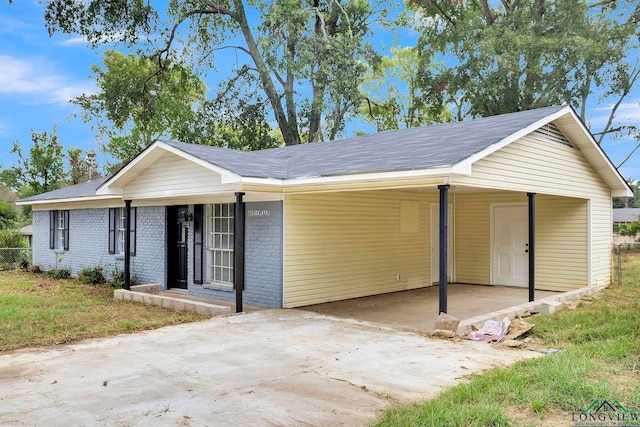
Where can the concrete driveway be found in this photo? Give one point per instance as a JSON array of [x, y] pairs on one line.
[[272, 367]]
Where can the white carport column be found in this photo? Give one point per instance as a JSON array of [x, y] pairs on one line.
[[444, 230], [532, 245]]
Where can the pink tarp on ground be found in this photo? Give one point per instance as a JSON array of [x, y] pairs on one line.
[[491, 331]]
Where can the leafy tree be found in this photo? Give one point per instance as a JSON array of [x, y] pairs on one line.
[[394, 97], [234, 119], [8, 215], [11, 239], [43, 169], [306, 56], [81, 169], [139, 103], [517, 55], [10, 178]]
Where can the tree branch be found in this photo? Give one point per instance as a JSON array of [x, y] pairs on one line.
[[442, 13], [629, 156], [633, 77], [486, 11]]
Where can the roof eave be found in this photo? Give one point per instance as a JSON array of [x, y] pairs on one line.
[[147, 157], [66, 200], [383, 176]]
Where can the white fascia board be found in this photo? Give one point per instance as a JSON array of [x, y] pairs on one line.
[[151, 153], [609, 167], [363, 177], [69, 200], [513, 137]]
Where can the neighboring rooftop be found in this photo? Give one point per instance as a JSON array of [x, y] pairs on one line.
[[626, 215]]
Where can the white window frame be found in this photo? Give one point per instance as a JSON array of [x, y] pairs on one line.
[[121, 229], [219, 226], [60, 227]]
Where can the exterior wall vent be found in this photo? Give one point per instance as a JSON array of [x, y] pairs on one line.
[[551, 132]]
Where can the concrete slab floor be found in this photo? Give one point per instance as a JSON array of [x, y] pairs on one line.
[[266, 368], [418, 309]]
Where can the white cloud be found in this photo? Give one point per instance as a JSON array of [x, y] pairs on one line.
[[38, 85], [627, 113], [74, 41]]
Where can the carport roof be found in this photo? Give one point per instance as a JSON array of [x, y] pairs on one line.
[[426, 147]]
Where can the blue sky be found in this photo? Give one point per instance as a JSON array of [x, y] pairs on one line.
[[39, 75]]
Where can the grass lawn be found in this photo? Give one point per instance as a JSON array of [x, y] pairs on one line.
[[601, 339], [36, 310]]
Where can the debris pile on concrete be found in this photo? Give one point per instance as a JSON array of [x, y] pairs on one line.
[[446, 326]]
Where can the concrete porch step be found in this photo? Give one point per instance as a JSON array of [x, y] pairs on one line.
[[171, 300]]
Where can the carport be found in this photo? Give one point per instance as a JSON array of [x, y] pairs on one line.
[[416, 310]]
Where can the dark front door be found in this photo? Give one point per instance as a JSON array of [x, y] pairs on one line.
[[177, 231]]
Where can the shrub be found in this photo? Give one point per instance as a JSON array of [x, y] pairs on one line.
[[60, 273], [92, 275], [12, 239], [117, 278]]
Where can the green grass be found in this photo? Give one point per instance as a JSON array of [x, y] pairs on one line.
[[37, 310], [601, 339]]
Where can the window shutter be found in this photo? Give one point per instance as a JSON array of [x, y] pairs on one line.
[[66, 229], [132, 232], [113, 218], [52, 229], [198, 237]]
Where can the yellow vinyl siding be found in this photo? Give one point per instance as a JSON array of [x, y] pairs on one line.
[[561, 243], [561, 238], [348, 245], [170, 176], [533, 165], [473, 233]]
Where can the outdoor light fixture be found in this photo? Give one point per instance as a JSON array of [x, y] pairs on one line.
[[185, 217]]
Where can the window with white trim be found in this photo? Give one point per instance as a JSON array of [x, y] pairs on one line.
[[220, 240], [60, 227], [59, 230], [121, 229], [118, 230]]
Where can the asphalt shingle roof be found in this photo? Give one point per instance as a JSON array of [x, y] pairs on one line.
[[432, 146], [84, 189], [425, 147], [626, 214]]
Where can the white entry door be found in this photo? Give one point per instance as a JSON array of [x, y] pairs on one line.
[[435, 244], [510, 245]]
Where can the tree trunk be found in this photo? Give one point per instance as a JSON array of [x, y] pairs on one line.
[[290, 133]]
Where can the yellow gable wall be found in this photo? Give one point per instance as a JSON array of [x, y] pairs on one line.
[[172, 175], [534, 165]]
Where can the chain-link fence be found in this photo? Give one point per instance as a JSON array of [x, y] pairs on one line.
[[12, 258], [626, 261]]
